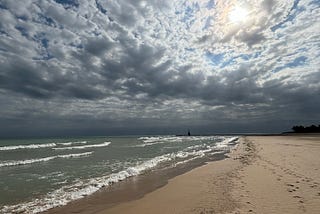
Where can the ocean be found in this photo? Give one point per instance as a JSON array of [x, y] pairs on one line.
[[40, 174]]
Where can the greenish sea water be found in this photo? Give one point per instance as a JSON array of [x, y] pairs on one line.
[[39, 174]]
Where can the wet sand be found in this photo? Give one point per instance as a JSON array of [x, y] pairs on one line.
[[264, 174], [131, 189]]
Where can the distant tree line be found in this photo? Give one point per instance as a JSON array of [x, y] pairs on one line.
[[307, 129]]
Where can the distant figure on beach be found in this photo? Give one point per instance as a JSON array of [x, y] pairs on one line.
[[189, 133]]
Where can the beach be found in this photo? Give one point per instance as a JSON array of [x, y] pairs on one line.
[[165, 174], [264, 174], [282, 176], [149, 107], [94, 173]]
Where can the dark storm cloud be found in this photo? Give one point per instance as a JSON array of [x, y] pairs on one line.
[[19, 76], [24, 78], [112, 65]]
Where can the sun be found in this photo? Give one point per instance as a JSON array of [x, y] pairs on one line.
[[238, 14]]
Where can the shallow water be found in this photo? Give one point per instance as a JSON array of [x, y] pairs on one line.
[[38, 174]]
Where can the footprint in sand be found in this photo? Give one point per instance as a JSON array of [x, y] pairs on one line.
[[307, 180], [313, 185], [292, 188]]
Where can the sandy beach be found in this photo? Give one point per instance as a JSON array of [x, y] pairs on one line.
[[282, 177], [273, 174], [159, 106], [263, 174]]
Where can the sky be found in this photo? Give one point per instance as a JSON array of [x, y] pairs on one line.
[[117, 67]]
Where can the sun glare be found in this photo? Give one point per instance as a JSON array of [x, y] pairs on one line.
[[238, 14]]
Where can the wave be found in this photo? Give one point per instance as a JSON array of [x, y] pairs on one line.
[[30, 146], [24, 162], [148, 141], [227, 142], [148, 144], [87, 187], [39, 146], [218, 148], [84, 147], [72, 143], [194, 158], [81, 189]]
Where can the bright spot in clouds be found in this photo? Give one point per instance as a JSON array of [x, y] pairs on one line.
[[137, 67], [238, 14]]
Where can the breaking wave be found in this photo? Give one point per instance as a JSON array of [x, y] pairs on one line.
[[84, 147], [39, 146], [148, 141], [72, 143], [24, 162], [86, 187], [30, 146], [81, 189]]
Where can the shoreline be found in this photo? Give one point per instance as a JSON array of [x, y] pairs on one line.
[[262, 174], [193, 191], [133, 188]]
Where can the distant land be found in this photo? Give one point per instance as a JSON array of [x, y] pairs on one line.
[[306, 129]]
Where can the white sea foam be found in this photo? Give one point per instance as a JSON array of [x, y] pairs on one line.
[[194, 158], [24, 162], [199, 153], [226, 142], [83, 188], [72, 143], [149, 144], [196, 147], [84, 147], [223, 145], [30, 146], [148, 141]]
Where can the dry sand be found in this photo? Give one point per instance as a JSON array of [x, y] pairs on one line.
[[263, 175], [283, 177], [269, 174]]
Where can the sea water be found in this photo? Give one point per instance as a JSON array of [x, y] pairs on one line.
[[39, 174]]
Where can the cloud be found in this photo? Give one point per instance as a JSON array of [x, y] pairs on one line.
[[158, 62]]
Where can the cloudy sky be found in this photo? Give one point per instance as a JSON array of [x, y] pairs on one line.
[[78, 67]]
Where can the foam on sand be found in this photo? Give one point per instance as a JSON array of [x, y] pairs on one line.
[[226, 142]]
